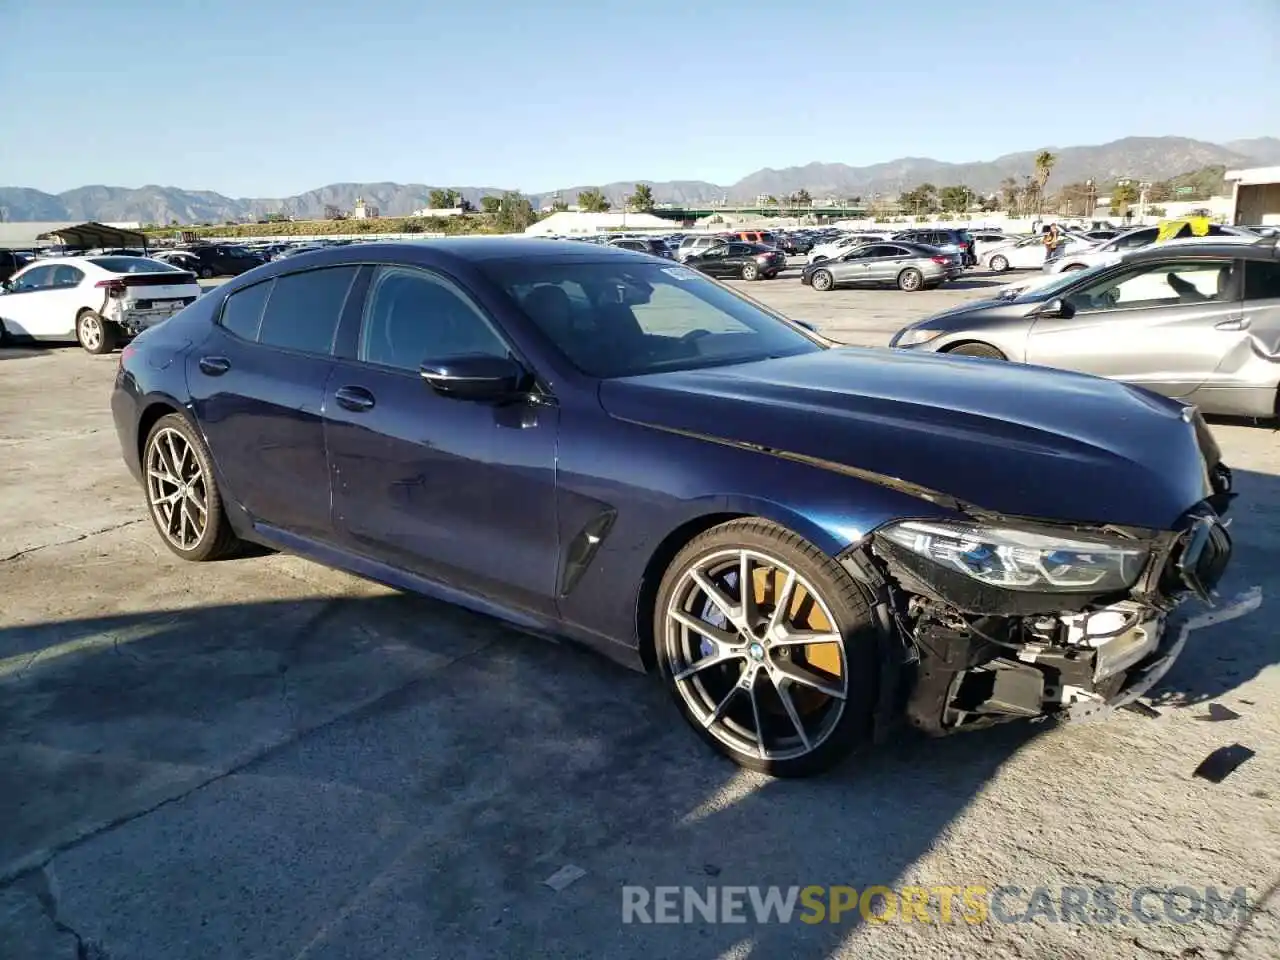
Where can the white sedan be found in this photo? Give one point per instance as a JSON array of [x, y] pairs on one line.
[[1025, 254], [96, 301]]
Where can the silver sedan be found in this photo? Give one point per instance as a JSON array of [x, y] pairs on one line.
[[897, 263], [1198, 322]]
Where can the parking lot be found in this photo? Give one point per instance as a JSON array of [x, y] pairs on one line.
[[265, 758]]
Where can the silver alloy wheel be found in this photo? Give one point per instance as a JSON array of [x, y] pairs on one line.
[[911, 279], [822, 280], [744, 665], [176, 489], [750, 272], [999, 264], [90, 331]]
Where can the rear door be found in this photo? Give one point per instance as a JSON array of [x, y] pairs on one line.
[[885, 261], [1260, 317], [1165, 325], [258, 387], [459, 491]]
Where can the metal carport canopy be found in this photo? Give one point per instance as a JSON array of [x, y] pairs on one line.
[[86, 235]]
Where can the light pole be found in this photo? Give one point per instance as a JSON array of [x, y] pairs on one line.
[[1144, 188], [1091, 193]]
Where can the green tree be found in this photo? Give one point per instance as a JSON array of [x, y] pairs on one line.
[[1009, 195], [1044, 167], [515, 212], [559, 205], [444, 199], [923, 199], [1123, 196], [490, 205], [955, 199], [593, 201], [642, 198], [801, 198]]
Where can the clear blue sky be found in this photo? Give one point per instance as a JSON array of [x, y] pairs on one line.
[[274, 97]]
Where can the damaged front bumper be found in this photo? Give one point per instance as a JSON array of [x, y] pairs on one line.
[[980, 655]]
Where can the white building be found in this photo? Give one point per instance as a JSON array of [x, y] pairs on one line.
[[1255, 196], [571, 224]]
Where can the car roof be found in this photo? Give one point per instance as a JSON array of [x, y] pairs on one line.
[[1210, 247]]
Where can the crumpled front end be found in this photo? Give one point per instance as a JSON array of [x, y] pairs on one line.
[[1005, 619]]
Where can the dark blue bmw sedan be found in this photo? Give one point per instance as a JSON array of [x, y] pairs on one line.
[[804, 542]]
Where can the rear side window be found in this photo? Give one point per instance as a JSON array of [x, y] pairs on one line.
[[1261, 280], [303, 309], [242, 313]]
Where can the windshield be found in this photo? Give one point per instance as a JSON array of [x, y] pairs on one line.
[[625, 318], [133, 265]]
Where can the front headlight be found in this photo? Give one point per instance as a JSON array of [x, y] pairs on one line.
[[913, 335], [1020, 560]]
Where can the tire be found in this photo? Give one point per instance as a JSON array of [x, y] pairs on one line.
[[910, 280], [206, 273], [193, 466], [823, 280], [750, 271], [824, 599], [95, 335], [999, 264], [977, 350]]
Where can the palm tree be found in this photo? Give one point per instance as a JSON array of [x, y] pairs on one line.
[[1044, 166]]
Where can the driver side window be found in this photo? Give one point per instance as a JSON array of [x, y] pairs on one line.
[[39, 278], [1162, 284], [719, 251]]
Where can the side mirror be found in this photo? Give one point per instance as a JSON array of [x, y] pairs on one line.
[[474, 377], [1057, 307]]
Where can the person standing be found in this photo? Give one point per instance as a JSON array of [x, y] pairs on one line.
[[1054, 241]]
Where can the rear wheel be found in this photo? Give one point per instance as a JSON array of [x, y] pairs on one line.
[[182, 496], [768, 648], [750, 271], [823, 280], [978, 350], [206, 272], [910, 280], [999, 264], [95, 334]]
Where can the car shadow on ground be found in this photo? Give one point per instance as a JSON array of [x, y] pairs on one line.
[[17, 350], [977, 283], [343, 771]]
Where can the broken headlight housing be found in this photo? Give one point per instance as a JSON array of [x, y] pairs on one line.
[[1014, 559]]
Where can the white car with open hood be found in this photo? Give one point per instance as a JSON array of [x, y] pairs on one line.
[[98, 301]]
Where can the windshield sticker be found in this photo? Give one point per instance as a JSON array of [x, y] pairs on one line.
[[680, 273]]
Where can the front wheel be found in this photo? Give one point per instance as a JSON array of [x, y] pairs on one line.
[[206, 272], [910, 280], [823, 280], [999, 264], [975, 349], [95, 335], [750, 271], [182, 495], [768, 648]]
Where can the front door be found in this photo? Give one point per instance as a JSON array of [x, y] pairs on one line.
[[459, 491], [29, 307], [258, 388], [1164, 325]]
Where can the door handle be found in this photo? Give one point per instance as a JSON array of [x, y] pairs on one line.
[[1232, 323], [215, 366], [355, 399]]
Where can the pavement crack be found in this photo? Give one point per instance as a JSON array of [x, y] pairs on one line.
[[62, 543], [44, 884]]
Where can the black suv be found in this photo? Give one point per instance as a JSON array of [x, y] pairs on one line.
[[11, 263], [939, 237]]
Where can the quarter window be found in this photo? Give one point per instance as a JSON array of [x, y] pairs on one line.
[[412, 316], [242, 313], [66, 276], [303, 309]]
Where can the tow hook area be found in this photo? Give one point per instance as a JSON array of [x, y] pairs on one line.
[[974, 672]]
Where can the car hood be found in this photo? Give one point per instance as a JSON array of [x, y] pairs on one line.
[[998, 437]]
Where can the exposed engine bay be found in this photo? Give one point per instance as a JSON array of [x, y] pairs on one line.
[[999, 626]]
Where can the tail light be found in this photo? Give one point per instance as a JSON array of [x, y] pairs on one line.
[[942, 260], [115, 287]]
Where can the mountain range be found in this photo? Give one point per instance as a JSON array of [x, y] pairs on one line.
[[1152, 158]]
